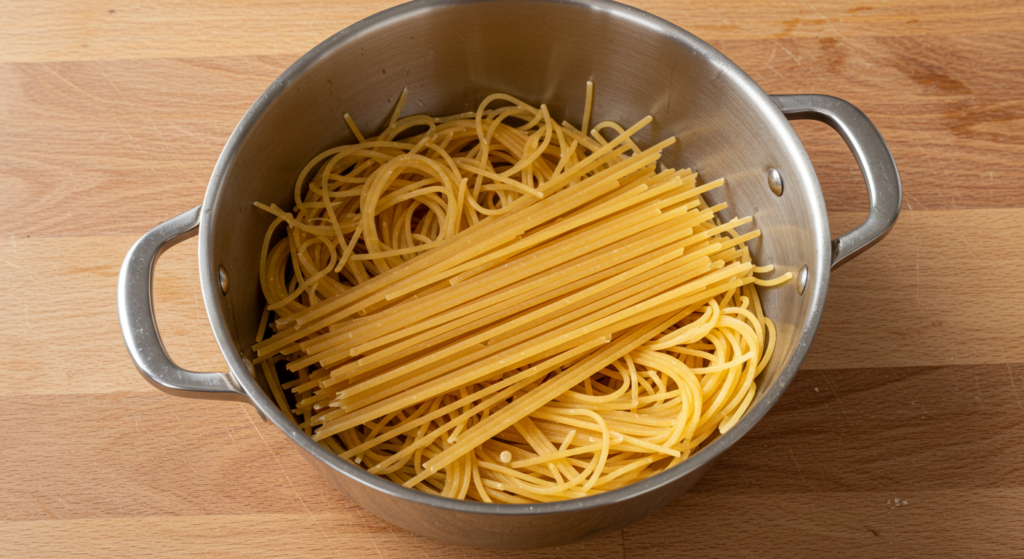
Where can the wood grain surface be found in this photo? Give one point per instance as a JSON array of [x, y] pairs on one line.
[[903, 435]]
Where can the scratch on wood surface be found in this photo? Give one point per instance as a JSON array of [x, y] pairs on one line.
[[831, 387], [198, 360], [46, 510], [290, 484], [798, 470], [114, 85], [195, 302], [373, 540], [724, 18], [892, 265], [316, 15], [29, 271], [827, 21], [1013, 385], [643, 534], [65, 80], [793, 56], [960, 236], [744, 476], [135, 414], [917, 270], [910, 195], [777, 73], [183, 129], [135, 143]]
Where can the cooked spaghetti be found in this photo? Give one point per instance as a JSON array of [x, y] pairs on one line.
[[497, 307]]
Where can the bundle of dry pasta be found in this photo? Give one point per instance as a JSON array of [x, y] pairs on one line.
[[498, 307]]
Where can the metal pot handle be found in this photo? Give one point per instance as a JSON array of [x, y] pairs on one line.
[[138, 323], [885, 195]]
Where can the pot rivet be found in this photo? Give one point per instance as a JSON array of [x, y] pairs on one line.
[[801, 280], [223, 276], [775, 181]]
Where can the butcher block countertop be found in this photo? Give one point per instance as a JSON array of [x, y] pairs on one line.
[[902, 435]]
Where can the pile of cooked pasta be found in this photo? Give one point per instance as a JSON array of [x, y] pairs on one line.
[[498, 307]]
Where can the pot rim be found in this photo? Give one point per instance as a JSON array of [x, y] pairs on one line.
[[241, 369]]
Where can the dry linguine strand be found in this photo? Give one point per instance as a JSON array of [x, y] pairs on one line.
[[493, 306]]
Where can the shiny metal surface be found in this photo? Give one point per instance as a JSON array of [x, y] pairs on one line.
[[138, 322], [775, 181], [885, 193], [450, 54], [224, 282]]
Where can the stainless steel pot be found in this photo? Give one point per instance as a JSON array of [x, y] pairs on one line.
[[450, 54]]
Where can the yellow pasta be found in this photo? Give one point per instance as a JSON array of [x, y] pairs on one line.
[[498, 307]]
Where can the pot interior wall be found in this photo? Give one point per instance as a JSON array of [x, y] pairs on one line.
[[450, 58]]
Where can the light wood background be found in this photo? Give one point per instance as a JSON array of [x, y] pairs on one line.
[[903, 435]]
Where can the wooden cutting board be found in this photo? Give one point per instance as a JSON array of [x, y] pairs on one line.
[[903, 435]]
